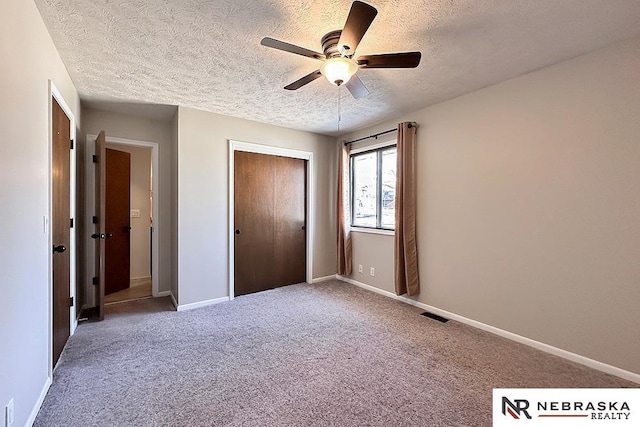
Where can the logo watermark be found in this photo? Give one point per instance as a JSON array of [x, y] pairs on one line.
[[566, 407]]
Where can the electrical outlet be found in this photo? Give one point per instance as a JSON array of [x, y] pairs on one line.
[[372, 271], [359, 268], [8, 414]]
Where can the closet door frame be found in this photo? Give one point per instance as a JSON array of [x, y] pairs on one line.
[[310, 227]]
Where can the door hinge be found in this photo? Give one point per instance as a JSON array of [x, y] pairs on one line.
[[95, 219], [95, 159], [70, 222], [71, 302], [95, 281], [71, 144]]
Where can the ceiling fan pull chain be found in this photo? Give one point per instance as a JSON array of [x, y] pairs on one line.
[[339, 109]]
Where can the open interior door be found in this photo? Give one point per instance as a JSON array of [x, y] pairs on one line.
[[118, 210]]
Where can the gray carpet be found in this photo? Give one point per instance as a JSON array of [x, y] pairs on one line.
[[329, 354]]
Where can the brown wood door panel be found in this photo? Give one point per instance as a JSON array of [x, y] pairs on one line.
[[61, 235], [269, 214], [254, 211], [117, 214], [290, 237]]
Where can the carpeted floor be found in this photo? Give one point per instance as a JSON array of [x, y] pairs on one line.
[[329, 354]]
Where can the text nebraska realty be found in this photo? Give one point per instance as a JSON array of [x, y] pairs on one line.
[[598, 410]]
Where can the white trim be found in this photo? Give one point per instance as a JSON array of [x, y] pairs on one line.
[[373, 231], [39, 402], [201, 303], [107, 304], [90, 197], [137, 281], [591, 363], [163, 294], [274, 151], [173, 300], [54, 93], [324, 279], [372, 147]]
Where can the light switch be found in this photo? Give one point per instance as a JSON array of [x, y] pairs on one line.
[[135, 213]]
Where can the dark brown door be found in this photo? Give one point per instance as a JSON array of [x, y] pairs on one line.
[[100, 232], [117, 246], [290, 244], [270, 215], [60, 228]]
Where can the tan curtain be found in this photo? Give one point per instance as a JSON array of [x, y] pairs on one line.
[[344, 211], [405, 248]]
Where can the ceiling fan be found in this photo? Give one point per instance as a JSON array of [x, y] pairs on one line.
[[339, 47]]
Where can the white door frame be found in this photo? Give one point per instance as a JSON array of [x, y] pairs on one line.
[[90, 199], [274, 151], [54, 93]]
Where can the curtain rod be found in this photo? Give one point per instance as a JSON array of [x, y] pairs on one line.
[[375, 135]]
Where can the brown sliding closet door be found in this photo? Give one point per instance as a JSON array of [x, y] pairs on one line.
[[270, 219]]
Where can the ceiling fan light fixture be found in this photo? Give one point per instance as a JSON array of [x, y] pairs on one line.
[[339, 70]]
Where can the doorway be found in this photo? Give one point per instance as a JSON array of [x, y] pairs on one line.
[[129, 198], [305, 228], [139, 221]]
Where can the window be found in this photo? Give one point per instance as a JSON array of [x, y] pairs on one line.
[[373, 188]]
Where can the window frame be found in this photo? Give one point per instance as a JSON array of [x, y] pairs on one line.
[[378, 149]]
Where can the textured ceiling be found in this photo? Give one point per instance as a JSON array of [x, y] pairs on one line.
[[206, 54]]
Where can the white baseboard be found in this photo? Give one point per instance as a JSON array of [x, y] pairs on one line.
[[591, 363], [137, 281], [324, 279], [163, 294], [38, 405], [201, 304]]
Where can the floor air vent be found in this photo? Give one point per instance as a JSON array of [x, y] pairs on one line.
[[435, 317]]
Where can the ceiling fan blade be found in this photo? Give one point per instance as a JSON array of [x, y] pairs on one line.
[[288, 47], [390, 60], [356, 87], [303, 81], [360, 18]]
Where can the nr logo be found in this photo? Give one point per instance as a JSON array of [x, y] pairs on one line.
[[516, 409]]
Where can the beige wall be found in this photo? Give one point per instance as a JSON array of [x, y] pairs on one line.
[[29, 61], [203, 151], [373, 250], [143, 129], [528, 206], [140, 188]]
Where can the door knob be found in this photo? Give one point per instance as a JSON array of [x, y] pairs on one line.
[[59, 248], [237, 231], [101, 236]]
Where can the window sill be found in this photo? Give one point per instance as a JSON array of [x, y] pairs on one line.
[[373, 231]]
